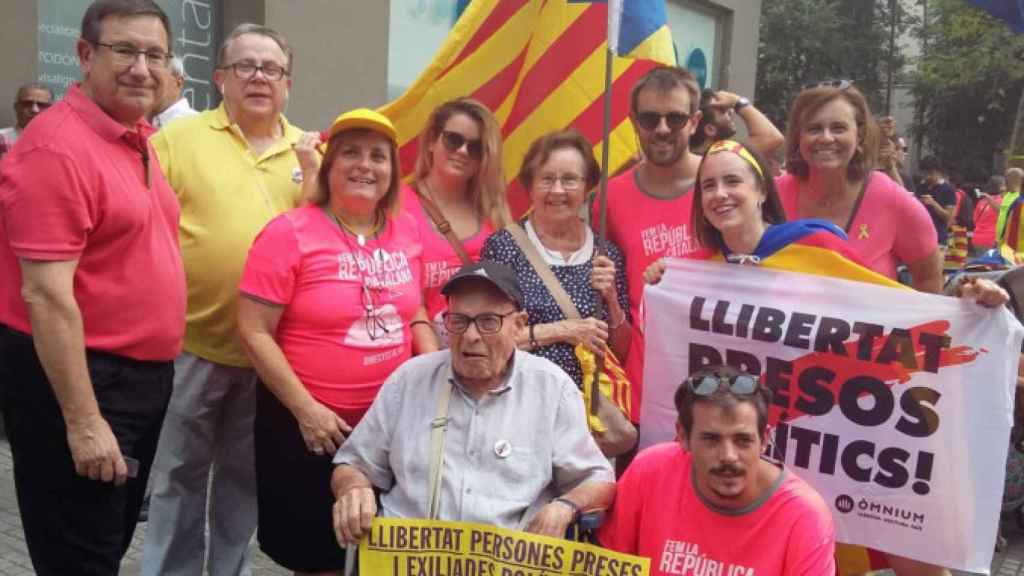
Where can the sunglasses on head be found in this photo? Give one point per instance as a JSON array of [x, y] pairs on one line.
[[650, 121], [453, 142], [840, 84], [707, 382]]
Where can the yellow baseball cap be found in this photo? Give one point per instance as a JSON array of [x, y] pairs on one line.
[[364, 118]]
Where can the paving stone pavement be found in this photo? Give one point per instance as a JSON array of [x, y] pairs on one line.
[[14, 560]]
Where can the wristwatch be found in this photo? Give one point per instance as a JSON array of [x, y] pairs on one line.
[[742, 103]]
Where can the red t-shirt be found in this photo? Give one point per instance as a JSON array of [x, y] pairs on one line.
[[658, 514], [75, 187], [891, 226], [646, 228], [440, 262], [985, 217], [303, 261]]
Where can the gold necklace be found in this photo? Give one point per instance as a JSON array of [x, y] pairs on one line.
[[378, 223]]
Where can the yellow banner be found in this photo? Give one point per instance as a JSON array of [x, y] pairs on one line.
[[401, 547]]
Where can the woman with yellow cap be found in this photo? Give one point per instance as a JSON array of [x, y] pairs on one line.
[[329, 292]]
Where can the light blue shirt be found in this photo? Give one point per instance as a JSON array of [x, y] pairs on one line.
[[505, 455]]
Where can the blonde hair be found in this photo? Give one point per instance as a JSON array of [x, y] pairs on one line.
[[487, 186]]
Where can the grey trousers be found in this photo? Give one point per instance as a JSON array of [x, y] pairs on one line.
[[209, 422]]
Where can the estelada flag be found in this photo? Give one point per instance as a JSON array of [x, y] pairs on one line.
[[539, 66]]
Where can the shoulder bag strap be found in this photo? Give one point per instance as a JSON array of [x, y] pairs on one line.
[[856, 204], [544, 271], [438, 426], [444, 227]]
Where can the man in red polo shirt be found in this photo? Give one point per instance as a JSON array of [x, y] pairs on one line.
[[92, 297]]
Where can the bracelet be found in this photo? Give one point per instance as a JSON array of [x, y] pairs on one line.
[[533, 339], [424, 322], [572, 505]]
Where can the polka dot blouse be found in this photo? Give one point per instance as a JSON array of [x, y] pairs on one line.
[[542, 307]]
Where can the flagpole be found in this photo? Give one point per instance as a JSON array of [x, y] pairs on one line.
[[602, 199]]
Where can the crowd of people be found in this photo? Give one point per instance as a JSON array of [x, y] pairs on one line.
[[281, 337]]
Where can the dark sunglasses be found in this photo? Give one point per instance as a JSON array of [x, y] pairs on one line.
[[453, 142], [707, 382], [840, 84], [650, 121]]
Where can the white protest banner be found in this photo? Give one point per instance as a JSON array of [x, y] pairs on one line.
[[895, 405]]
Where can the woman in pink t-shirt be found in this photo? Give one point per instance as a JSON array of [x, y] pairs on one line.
[[458, 172], [329, 291], [832, 144]]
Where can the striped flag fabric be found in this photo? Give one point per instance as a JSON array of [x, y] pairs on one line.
[[641, 31], [539, 66], [810, 246]]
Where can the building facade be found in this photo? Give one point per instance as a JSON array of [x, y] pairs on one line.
[[347, 53]]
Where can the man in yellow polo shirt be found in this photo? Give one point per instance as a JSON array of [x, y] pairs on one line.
[[233, 170]]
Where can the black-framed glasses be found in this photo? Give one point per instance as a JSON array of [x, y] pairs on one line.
[[453, 142], [707, 382], [841, 84], [650, 121], [125, 55], [376, 327], [486, 323], [569, 182], [248, 70]]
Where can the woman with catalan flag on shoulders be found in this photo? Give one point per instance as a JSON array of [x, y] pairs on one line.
[[738, 218]]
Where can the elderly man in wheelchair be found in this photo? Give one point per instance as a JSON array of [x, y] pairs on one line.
[[481, 432]]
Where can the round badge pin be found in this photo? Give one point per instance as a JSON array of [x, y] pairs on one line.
[[502, 448]]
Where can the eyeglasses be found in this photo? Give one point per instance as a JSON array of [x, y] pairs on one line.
[[570, 182], [707, 382], [840, 84], [486, 323], [453, 142], [126, 55], [650, 121], [248, 70], [29, 104], [375, 326]]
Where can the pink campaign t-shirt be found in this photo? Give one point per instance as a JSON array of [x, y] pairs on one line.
[[891, 226], [658, 514], [646, 228], [303, 261], [440, 262]]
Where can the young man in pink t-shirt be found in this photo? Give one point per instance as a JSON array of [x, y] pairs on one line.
[[649, 206], [709, 504]]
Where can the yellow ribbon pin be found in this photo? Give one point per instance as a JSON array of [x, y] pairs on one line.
[[863, 233]]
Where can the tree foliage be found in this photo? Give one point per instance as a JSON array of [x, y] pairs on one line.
[[809, 41], [967, 86]]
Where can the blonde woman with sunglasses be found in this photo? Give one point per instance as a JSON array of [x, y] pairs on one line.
[[457, 195]]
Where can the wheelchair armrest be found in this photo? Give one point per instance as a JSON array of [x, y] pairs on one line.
[[590, 521]]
